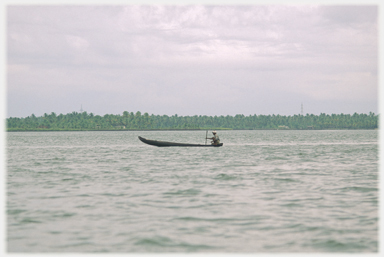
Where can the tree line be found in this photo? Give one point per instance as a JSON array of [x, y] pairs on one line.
[[139, 121]]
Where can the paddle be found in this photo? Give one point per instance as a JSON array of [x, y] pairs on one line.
[[206, 134]]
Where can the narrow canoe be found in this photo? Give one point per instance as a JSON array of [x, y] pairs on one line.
[[163, 143]]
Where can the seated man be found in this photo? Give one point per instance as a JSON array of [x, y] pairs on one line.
[[215, 139]]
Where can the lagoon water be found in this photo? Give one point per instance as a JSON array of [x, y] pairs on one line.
[[262, 192]]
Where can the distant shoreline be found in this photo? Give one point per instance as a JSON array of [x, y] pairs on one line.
[[129, 130], [138, 122]]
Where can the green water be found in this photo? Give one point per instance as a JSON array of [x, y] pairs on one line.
[[263, 191]]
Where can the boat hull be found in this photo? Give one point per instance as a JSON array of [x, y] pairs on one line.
[[167, 144]]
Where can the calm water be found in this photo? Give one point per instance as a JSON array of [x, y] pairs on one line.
[[263, 191]]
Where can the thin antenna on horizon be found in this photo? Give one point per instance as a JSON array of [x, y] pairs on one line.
[[302, 109], [81, 108]]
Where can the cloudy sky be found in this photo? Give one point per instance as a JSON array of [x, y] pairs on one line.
[[191, 59]]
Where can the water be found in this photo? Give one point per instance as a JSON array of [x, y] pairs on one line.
[[262, 192]]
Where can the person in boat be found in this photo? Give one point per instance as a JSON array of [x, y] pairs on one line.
[[215, 139]]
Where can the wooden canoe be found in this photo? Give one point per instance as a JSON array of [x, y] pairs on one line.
[[163, 143]]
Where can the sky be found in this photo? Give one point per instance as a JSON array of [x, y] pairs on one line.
[[192, 59]]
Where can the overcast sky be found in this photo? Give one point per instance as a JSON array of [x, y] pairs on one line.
[[192, 59]]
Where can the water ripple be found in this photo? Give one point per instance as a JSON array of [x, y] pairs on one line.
[[280, 191]]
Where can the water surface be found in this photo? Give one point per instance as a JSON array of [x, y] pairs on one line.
[[263, 191]]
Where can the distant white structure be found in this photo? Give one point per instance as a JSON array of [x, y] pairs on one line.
[[302, 109]]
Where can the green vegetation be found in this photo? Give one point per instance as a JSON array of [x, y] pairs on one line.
[[137, 121]]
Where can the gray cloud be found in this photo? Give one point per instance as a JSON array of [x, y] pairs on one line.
[[214, 60]]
